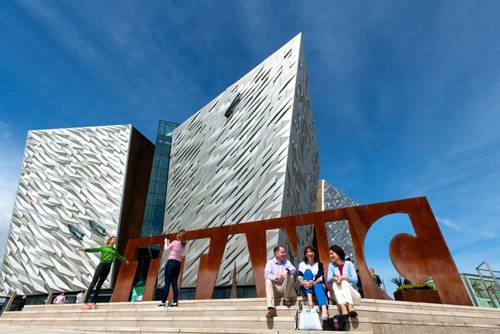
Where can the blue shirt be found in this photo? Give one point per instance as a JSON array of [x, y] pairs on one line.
[[274, 267], [348, 271]]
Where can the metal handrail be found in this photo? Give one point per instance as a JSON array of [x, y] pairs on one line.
[[492, 289]]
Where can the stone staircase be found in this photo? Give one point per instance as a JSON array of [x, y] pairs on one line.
[[244, 316]]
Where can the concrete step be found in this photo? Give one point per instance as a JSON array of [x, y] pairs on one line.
[[192, 303], [378, 312], [428, 306], [147, 330], [248, 315], [362, 323], [159, 321], [168, 326], [385, 304], [154, 311], [470, 317], [12, 329]]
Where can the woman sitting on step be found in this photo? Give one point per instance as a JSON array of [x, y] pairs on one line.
[[342, 276], [311, 280]]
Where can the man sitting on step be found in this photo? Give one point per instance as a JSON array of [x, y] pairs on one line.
[[279, 280]]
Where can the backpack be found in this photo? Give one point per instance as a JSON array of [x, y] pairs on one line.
[[337, 323]]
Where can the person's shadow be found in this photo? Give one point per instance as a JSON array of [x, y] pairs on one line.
[[352, 324], [270, 323]]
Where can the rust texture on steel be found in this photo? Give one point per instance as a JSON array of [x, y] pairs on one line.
[[415, 257]]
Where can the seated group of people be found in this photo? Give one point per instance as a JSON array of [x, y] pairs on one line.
[[280, 280]]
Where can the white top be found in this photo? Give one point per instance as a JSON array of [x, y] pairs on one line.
[[304, 266]]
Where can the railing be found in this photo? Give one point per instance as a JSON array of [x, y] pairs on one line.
[[11, 302], [3, 303], [491, 289]]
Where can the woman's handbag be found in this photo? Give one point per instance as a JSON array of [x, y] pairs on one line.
[[337, 323], [307, 319]]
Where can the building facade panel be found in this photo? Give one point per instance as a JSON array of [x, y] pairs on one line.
[[247, 155], [69, 196], [303, 160], [337, 232]]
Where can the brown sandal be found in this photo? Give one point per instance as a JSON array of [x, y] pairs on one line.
[[271, 313]]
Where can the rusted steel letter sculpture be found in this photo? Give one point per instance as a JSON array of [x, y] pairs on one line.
[[415, 257]]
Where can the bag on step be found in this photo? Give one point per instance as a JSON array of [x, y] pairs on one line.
[[335, 323], [307, 319]]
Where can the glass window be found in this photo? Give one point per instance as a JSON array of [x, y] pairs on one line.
[[233, 105], [160, 187], [97, 228], [162, 175], [76, 231], [153, 175]]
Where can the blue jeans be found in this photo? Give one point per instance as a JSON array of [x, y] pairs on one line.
[[101, 273], [172, 269], [318, 289]]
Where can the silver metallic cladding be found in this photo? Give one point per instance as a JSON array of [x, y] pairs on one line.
[[303, 161], [259, 163], [338, 232], [68, 176]]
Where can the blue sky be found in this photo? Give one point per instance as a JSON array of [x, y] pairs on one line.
[[406, 94]]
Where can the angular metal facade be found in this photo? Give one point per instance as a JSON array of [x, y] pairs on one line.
[[249, 154], [71, 187], [337, 232]]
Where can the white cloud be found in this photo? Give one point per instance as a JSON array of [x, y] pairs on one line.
[[449, 223], [468, 260], [67, 34], [120, 45]]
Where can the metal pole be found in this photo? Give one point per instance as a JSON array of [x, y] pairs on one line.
[[85, 296], [50, 296], [9, 302], [483, 283], [496, 285], [234, 292]]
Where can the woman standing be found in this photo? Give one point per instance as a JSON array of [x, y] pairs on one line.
[[311, 280], [108, 254], [342, 276], [173, 267]]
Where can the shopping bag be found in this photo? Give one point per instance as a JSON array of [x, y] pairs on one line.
[[307, 319]]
